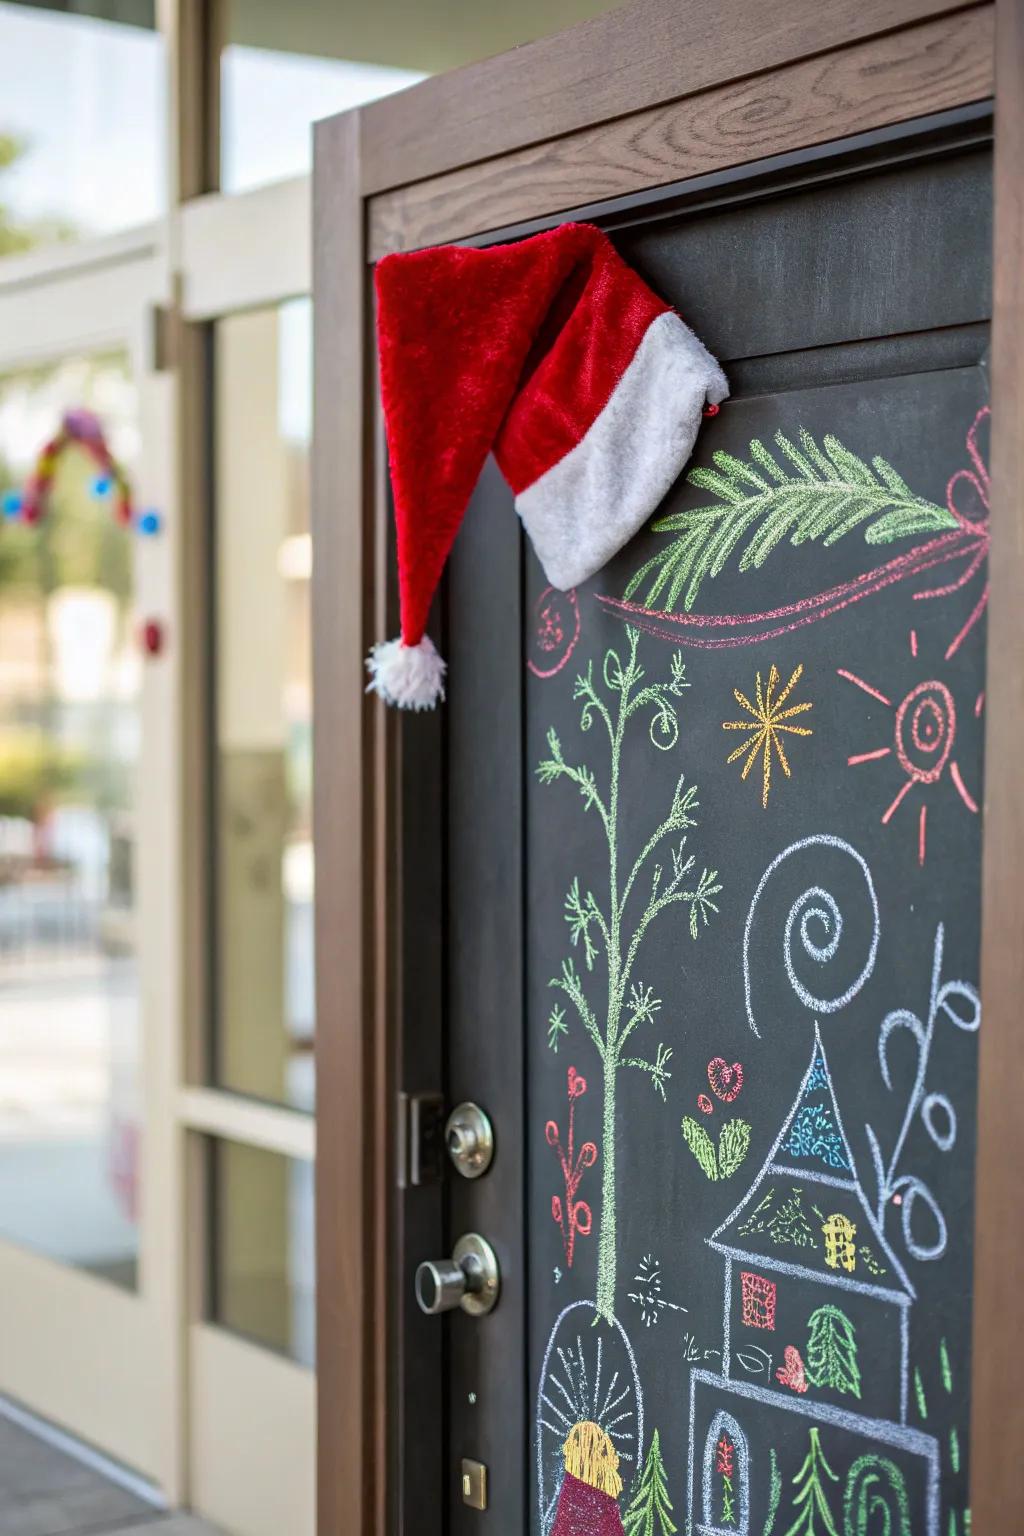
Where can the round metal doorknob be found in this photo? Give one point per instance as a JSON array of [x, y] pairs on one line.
[[469, 1137], [469, 1279]]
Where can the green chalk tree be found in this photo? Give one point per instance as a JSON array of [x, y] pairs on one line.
[[814, 1517], [609, 932], [650, 1509], [832, 1351]]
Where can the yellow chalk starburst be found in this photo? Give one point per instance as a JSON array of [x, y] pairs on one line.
[[768, 721]]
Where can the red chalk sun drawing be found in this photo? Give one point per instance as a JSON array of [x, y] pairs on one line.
[[923, 741]]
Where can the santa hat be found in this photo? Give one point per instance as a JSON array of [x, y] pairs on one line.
[[556, 356]]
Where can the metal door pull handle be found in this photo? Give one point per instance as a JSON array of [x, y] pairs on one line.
[[469, 1279]]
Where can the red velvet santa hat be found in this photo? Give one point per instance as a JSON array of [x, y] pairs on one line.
[[556, 356]]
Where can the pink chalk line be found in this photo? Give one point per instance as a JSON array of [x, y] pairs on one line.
[[686, 628], [867, 757], [905, 789], [961, 789], [851, 677], [970, 538]]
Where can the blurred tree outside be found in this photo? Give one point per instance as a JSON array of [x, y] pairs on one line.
[[16, 235], [35, 773]]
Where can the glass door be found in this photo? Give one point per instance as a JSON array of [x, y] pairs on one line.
[[86, 865]]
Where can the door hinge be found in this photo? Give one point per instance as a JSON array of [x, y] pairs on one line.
[[421, 1121]]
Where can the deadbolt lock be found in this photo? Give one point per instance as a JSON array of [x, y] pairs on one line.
[[469, 1138], [469, 1279]]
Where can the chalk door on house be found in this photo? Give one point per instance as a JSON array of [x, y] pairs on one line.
[[712, 905]]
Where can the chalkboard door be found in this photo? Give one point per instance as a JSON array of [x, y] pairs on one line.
[[712, 897]]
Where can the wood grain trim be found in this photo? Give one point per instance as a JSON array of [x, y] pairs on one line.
[[997, 1417], [642, 55], [352, 1164], [923, 69]]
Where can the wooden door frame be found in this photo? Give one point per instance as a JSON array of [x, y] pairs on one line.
[[552, 129]]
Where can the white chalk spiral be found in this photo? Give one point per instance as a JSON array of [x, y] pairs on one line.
[[819, 929]]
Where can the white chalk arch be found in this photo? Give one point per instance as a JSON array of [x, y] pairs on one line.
[[589, 1374], [724, 1424]]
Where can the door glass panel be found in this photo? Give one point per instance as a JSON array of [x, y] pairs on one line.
[[262, 1282], [286, 66], [81, 120], [70, 1103], [263, 774]]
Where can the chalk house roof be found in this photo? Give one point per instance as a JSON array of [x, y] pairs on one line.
[[809, 1183]]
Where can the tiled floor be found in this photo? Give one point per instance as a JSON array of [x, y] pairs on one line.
[[44, 1492]]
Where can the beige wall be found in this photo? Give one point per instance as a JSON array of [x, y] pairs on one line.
[[430, 35]]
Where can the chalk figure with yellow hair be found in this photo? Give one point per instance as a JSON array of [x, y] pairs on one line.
[[588, 1504]]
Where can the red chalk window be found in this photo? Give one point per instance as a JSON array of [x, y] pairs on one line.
[[758, 1295]]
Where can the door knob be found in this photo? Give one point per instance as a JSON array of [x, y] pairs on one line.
[[469, 1138], [469, 1279]]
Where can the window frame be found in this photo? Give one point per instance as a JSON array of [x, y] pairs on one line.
[[155, 290]]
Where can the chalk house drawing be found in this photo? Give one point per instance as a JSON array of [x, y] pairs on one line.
[[839, 1374], [608, 932], [588, 1377]]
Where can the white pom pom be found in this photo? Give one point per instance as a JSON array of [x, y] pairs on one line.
[[409, 676]]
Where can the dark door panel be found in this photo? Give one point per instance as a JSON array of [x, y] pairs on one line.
[[722, 1014]]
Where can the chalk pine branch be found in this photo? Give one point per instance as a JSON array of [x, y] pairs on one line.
[[607, 929], [818, 492]]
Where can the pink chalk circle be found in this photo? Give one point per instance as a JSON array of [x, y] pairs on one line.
[[925, 731], [556, 629]]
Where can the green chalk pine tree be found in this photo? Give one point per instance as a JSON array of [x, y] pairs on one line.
[[650, 1509], [814, 1517], [832, 1351]]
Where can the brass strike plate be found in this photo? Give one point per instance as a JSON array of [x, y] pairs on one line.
[[474, 1484]]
